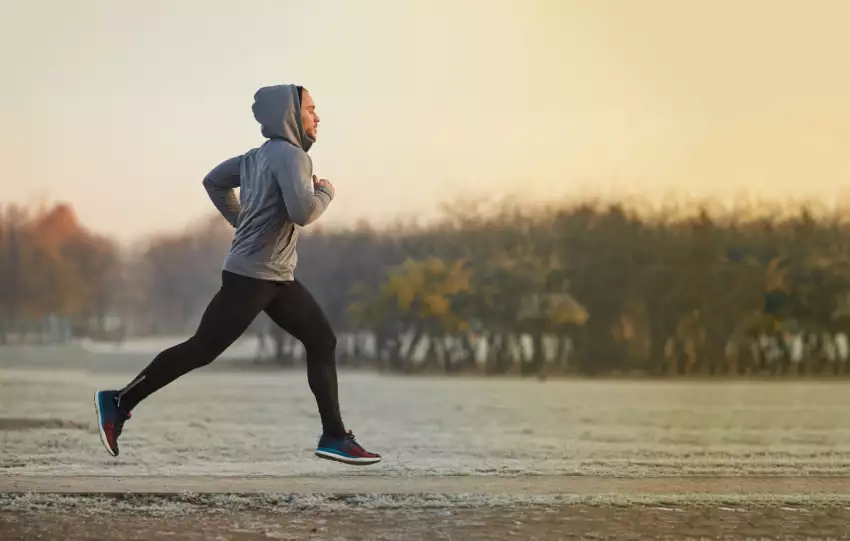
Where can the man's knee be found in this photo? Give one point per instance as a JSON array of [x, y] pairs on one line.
[[323, 342], [206, 349]]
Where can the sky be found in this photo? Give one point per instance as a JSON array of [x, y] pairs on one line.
[[121, 108]]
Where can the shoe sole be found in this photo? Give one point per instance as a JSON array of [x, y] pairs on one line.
[[347, 460], [100, 424]]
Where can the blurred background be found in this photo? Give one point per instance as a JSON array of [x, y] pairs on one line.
[[539, 188]]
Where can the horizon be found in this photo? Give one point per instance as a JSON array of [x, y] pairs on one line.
[[120, 110]]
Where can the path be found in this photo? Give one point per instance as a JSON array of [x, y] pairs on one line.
[[375, 484]]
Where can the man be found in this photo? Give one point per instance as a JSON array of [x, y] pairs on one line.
[[278, 195]]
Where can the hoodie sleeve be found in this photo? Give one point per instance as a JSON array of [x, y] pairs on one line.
[[220, 184], [294, 175]]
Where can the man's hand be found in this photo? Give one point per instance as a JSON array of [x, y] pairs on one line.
[[322, 183]]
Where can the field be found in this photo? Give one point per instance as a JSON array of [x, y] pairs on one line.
[[228, 454]]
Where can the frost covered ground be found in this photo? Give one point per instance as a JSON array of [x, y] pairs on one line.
[[223, 422]]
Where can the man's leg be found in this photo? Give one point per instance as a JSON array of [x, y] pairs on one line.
[[239, 300], [296, 311]]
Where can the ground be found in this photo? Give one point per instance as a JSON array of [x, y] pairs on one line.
[[363, 508], [226, 454], [485, 524]]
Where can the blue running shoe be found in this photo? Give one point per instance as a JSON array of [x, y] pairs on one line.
[[110, 419], [345, 450]]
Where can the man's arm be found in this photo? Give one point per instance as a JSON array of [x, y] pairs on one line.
[[220, 184], [304, 201]]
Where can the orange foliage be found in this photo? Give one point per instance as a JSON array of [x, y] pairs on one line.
[[51, 264]]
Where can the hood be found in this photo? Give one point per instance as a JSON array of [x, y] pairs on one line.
[[278, 110]]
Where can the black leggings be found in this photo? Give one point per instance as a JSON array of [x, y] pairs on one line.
[[230, 312]]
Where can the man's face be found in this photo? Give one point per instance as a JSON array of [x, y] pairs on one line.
[[309, 118]]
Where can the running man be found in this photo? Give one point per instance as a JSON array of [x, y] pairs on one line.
[[278, 195]]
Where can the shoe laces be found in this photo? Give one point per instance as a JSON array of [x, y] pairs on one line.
[[350, 436]]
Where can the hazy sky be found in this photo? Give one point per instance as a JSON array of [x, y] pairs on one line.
[[121, 107]]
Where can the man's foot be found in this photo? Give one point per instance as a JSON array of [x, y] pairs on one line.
[[345, 450], [110, 419]]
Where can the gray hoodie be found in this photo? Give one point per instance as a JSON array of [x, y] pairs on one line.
[[276, 194]]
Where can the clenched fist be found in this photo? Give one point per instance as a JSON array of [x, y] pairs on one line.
[[322, 183]]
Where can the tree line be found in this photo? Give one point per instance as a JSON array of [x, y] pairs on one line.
[[589, 288]]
